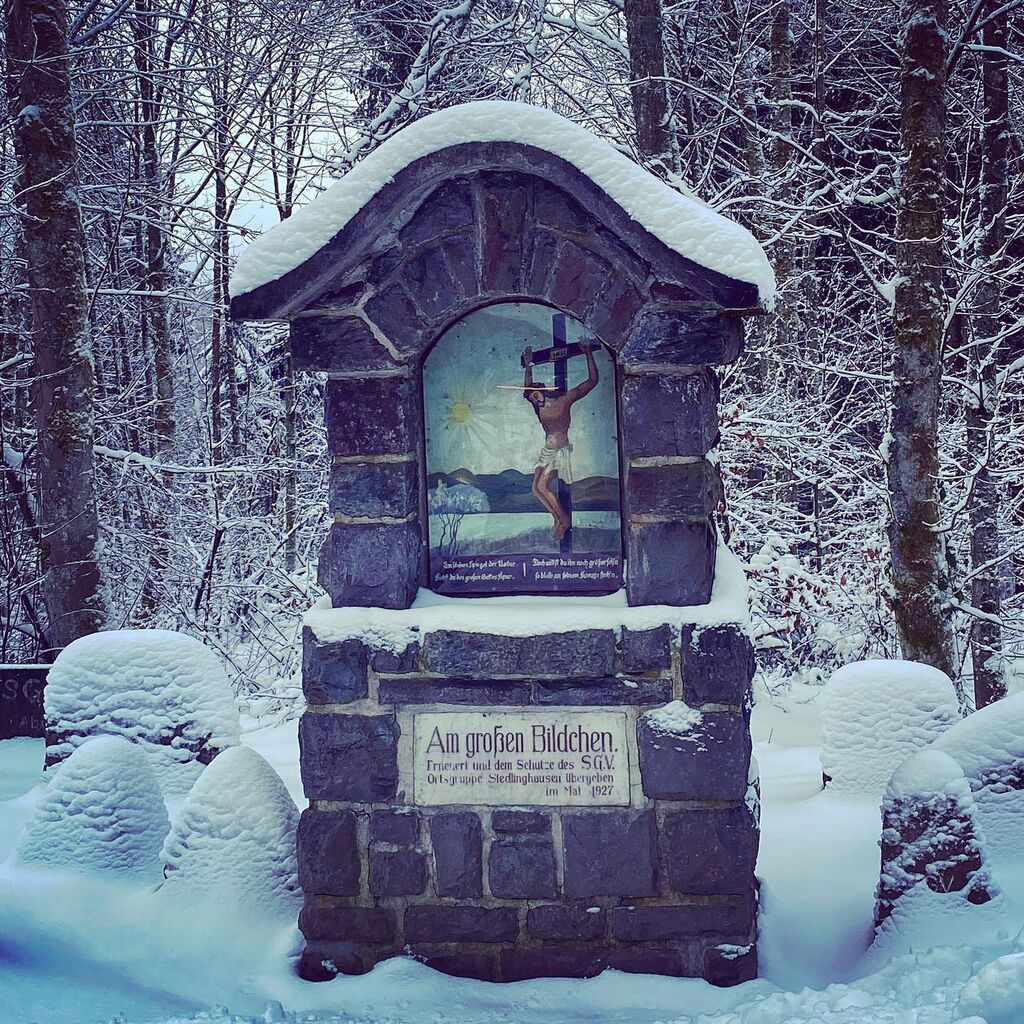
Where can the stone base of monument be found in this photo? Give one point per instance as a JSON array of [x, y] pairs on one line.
[[514, 802]]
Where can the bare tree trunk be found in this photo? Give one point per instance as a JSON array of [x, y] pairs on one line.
[[55, 248], [986, 636], [647, 69], [921, 599]]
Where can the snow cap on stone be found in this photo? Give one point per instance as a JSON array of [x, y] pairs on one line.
[[875, 714], [677, 219], [162, 690], [234, 839], [102, 812], [989, 746]]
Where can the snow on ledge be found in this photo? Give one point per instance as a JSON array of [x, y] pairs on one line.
[[679, 220], [394, 629]]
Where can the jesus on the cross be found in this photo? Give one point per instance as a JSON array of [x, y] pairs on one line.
[[553, 408]]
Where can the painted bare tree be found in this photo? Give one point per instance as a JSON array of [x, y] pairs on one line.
[[921, 596], [47, 157]]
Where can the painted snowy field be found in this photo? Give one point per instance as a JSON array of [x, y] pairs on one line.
[[73, 952]]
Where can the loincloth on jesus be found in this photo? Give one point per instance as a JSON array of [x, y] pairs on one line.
[[556, 459]]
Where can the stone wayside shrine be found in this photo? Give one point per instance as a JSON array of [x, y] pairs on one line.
[[526, 747]]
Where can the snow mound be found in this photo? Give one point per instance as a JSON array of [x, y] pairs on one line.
[[930, 838], [681, 221], [234, 838], [102, 812], [989, 746], [162, 690], [996, 992], [875, 714]]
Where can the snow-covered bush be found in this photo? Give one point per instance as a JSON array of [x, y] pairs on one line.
[[162, 690], [234, 838], [996, 993], [875, 714], [930, 835], [102, 812], [989, 746]]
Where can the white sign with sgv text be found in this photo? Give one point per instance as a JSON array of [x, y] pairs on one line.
[[551, 758]]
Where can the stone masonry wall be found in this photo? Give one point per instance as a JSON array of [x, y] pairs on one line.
[[665, 885]]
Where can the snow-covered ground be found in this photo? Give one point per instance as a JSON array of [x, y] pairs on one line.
[[76, 951]]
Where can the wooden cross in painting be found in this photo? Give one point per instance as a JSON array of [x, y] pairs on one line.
[[554, 413]]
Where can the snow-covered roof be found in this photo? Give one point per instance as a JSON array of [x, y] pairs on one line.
[[681, 221]]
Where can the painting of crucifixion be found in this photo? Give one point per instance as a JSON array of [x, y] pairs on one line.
[[522, 455]]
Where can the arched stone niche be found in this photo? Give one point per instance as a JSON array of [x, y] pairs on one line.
[[463, 228]]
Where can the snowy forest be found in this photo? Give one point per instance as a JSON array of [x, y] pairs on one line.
[[163, 467]]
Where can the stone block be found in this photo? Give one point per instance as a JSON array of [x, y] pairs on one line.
[[674, 961], [578, 278], [556, 208], [349, 757], [517, 822], [711, 851], [716, 664], [397, 872], [337, 345], [430, 282], [328, 853], [460, 252], [669, 414], [683, 921], [710, 760], [398, 828], [425, 690], [522, 868], [610, 853], [569, 923], [581, 652], [372, 415], [373, 925], [610, 690], [457, 841], [730, 964], [333, 673], [523, 963], [395, 661], [670, 562], [371, 565], [682, 490], [543, 254], [478, 966], [693, 333], [373, 489], [318, 964], [433, 923], [647, 650], [448, 208], [614, 311], [397, 318], [504, 201]]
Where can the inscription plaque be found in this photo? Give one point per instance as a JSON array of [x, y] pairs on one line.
[[21, 700], [552, 758]]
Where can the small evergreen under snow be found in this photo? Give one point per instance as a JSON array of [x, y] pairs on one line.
[[875, 714], [162, 690], [102, 812], [234, 838], [930, 836], [989, 746]]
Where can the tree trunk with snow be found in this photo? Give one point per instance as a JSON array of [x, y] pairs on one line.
[[921, 598], [986, 634], [36, 32], [647, 69]]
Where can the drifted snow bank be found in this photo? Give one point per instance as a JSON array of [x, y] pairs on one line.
[[102, 812], [995, 995], [162, 690], [989, 746], [233, 841], [875, 714], [681, 221]]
